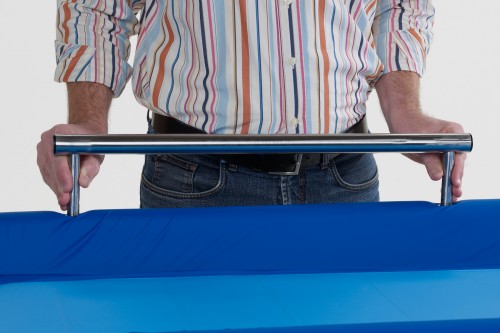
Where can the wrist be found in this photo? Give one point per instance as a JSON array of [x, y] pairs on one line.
[[399, 98], [91, 126], [400, 121], [88, 106]]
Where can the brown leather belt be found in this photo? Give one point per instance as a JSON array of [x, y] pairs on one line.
[[279, 164]]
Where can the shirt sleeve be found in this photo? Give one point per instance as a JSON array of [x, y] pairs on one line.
[[93, 41], [402, 32]]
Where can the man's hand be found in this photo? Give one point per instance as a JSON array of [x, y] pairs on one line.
[[400, 101], [420, 123], [88, 105], [55, 170]]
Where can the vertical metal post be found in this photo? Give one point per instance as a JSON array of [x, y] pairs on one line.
[[446, 186], [74, 202]]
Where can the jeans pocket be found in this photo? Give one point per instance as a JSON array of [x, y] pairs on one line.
[[176, 177], [355, 172]]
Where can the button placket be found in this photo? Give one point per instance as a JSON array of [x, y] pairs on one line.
[[290, 64]]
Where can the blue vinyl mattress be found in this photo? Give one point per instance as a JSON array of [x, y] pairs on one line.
[[383, 267]]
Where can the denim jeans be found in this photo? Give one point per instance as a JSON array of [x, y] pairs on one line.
[[204, 180]]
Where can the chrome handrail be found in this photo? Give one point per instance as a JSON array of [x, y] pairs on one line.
[[75, 145]]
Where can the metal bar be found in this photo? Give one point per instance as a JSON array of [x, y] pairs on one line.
[[240, 144], [74, 202], [446, 185]]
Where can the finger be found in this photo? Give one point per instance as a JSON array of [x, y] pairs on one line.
[[433, 165], [458, 169], [457, 192], [55, 170], [61, 183], [63, 200], [89, 168], [414, 157], [63, 179], [457, 175]]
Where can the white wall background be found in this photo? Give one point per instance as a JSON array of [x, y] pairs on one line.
[[462, 84]]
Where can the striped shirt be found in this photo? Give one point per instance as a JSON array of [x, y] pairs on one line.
[[245, 66]]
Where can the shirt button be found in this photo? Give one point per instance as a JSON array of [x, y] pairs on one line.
[[294, 122], [292, 62]]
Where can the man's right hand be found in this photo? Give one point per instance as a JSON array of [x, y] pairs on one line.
[[55, 170], [88, 107]]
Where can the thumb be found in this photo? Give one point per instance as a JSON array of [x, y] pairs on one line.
[[433, 165], [89, 168]]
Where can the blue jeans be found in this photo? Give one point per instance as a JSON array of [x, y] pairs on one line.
[[204, 180]]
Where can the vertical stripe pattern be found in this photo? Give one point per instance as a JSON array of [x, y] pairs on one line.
[[245, 66]]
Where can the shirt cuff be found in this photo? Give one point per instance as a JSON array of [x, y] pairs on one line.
[[402, 50], [82, 63]]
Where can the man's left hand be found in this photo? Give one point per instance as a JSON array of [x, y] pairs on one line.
[[399, 95], [420, 123]]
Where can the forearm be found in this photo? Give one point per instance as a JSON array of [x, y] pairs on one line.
[[93, 41], [88, 105], [399, 95]]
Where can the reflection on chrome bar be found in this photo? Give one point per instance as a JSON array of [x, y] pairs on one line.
[[217, 144]]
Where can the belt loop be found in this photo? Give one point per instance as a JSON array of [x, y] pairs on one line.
[[258, 162], [325, 159], [149, 118]]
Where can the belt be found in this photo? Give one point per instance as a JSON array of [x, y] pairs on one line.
[[279, 164]]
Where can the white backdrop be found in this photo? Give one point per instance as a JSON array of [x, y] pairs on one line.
[[462, 84]]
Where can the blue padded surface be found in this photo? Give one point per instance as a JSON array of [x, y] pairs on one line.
[[385, 267], [457, 301], [399, 236]]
